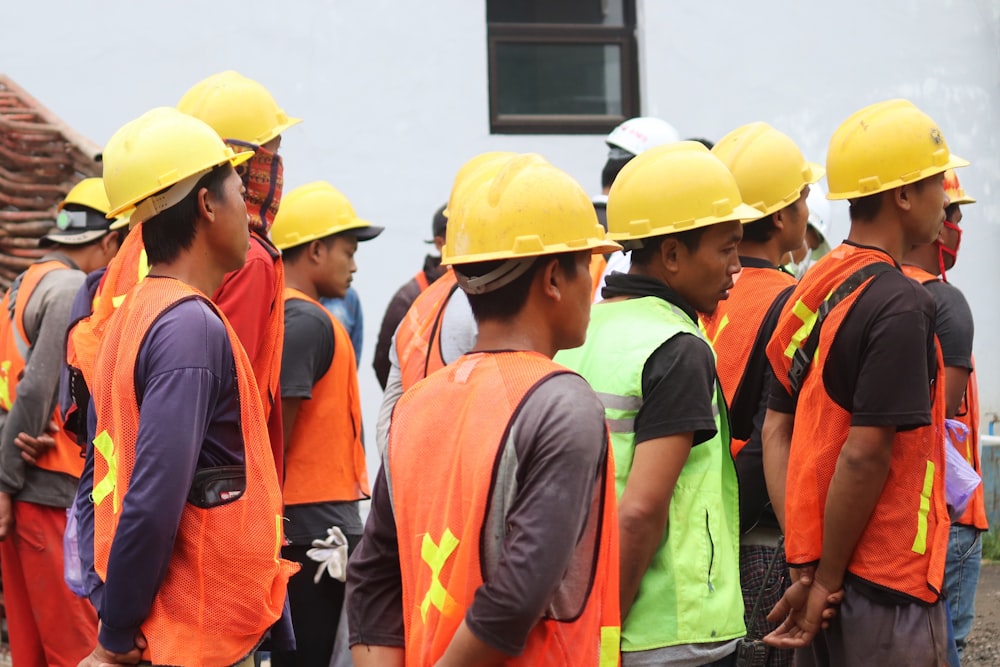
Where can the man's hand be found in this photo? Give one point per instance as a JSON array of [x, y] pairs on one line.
[[101, 657], [33, 448], [6, 515], [806, 607]]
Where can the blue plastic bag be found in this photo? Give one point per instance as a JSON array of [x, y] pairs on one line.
[[961, 479]]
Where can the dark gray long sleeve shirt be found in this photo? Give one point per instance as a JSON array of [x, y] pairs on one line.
[[46, 318]]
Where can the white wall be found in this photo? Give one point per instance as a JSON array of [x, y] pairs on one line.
[[394, 96]]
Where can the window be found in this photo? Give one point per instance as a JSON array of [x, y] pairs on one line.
[[561, 66]]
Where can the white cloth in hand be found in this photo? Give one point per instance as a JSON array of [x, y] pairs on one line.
[[331, 554]]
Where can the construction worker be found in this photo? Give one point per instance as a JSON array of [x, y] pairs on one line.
[[326, 477], [47, 624], [631, 138], [492, 536], [678, 209], [407, 294], [853, 437], [775, 179], [954, 326], [248, 118], [439, 326], [186, 487], [817, 241]]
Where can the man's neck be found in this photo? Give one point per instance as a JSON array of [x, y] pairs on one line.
[[195, 267], [924, 257], [769, 251], [295, 279], [883, 233], [522, 332]]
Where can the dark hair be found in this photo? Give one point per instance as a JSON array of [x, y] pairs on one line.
[[690, 238], [170, 232], [611, 169], [760, 231], [866, 208], [293, 254], [506, 302]]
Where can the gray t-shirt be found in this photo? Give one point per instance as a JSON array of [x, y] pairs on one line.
[[955, 327], [306, 357], [560, 444]]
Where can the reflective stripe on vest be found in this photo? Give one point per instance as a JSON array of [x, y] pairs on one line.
[[225, 584], [325, 459], [904, 544], [450, 514], [15, 351], [968, 414], [691, 590]]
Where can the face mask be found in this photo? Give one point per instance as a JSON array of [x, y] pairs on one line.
[[945, 250], [263, 178]]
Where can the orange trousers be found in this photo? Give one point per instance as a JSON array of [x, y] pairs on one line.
[[46, 623]]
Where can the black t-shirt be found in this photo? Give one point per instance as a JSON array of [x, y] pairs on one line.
[[679, 378], [305, 358], [955, 326], [882, 360]]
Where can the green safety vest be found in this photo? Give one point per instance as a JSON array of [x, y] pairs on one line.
[[691, 592]]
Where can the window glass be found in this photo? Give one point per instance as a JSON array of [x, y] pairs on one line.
[[593, 12]]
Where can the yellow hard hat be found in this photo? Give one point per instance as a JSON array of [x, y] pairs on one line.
[[314, 211], [237, 108], [954, 190], [90, 193], [484, 161], [163, 151], [673, 188], [770, 169], [884, 146], [526, 210]]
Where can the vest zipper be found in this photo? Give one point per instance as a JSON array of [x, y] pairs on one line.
[[711, 553]]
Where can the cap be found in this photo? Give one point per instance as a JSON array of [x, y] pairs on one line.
[[77, 226], [439, 225], [364, 233]]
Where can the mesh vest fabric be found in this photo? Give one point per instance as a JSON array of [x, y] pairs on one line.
[[65, 456], [325, 459], [225, 584], [904, 545], [968, 414], [448, 436], [732, 328], [418, 337], [690, 593]]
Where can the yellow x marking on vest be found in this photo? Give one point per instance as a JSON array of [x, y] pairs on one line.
[[722, 325], [436, 556], [105, 447], [5, 401]]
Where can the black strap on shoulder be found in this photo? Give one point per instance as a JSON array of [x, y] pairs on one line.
[[434, 329], [803, 357], [747, 397]]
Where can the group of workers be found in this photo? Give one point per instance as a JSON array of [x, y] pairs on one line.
[[722, 461]]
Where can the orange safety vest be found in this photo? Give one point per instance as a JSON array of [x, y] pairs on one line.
[[66, 457], [418, 337], [732, 328], [422, 281], [904, 545], [597, 266], [315, 471], [225, 583], [968, 414], [441, 502]]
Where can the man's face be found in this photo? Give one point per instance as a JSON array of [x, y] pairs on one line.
[[337, 266], [927, 210], [795, 217], [704, 275], [231, 223], [951, 236], [575, 307]]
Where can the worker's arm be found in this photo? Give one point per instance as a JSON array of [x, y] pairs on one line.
[[777, 439], [644, 507], [861, 471], [364, 655], [393, 391], [289, 413], [956, 380]]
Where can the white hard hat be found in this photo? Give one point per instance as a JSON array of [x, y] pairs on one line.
[[637, 135], [819, 210]]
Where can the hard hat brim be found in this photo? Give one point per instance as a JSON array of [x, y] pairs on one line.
[[595, 246], [954, 162]]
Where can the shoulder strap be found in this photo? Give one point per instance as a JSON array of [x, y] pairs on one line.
[[434, 329], [803, 357], [747, 396]]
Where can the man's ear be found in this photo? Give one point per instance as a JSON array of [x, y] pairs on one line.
[[902, 196], [552, 279], [670, 251], [114, 236], [206, 203], [778, 217], [316, 248]]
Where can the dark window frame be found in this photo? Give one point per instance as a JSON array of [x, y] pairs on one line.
[[564, 33]]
